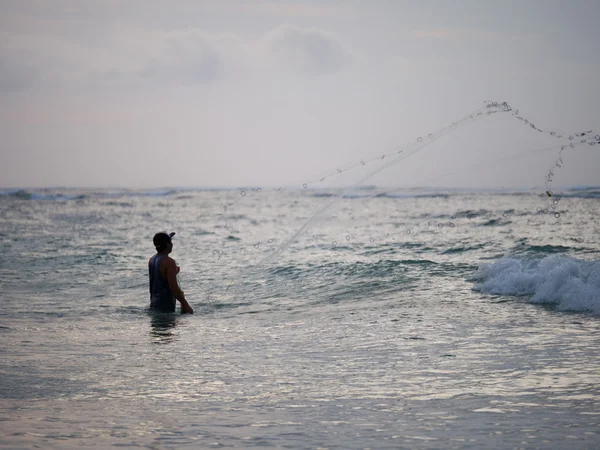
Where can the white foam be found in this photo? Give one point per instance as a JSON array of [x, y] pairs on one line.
[[569, 283]]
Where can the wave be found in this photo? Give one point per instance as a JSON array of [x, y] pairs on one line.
[[364, 192], [23, 194], [569, 284], [446, 193], [81, 194], [583, 192], [523, 247], [360, 195]]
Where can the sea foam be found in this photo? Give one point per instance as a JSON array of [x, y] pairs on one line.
[[569, 283]]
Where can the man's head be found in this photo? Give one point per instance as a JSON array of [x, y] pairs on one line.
[[162, 241]]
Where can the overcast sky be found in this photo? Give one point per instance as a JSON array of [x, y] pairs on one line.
[[149, 93]]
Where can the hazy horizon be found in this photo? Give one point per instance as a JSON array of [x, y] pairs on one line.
[[163, 190]]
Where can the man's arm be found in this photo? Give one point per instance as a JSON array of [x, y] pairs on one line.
[[150, 277], [174, 286]]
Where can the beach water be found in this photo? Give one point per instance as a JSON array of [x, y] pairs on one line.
[[422, 319]]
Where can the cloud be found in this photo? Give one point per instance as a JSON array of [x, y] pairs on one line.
[[179, 57], [183, 57], [305, 51]]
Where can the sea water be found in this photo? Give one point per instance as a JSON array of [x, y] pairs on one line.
[[373, 328]]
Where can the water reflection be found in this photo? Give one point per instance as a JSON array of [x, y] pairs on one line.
[[162, 326]]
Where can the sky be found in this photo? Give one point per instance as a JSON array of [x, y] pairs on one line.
[[215, 93]]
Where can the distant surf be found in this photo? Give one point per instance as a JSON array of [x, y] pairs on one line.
[[364, 192]]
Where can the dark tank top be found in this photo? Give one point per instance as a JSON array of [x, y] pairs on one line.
[[161, 297]]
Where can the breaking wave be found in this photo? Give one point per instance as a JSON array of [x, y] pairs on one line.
[[568, 283]]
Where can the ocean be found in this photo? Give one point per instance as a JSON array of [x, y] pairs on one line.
[[418, 319]]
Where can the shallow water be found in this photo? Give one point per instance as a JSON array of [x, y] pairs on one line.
[[445, 337]]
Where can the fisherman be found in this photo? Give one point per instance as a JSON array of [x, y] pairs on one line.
[[163, 270]]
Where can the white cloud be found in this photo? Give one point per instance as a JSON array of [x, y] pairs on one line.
[[179, 57], [182, 57], [305, 51]]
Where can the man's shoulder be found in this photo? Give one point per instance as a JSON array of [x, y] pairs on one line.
[[167, 261]]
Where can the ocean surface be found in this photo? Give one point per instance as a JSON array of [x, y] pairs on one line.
[[410, 319]]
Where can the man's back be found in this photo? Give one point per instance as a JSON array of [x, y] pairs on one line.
[[161, 297]]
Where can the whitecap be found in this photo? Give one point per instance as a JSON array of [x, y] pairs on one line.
[[570, 284]]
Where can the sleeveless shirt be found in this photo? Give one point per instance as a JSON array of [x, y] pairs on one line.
[[161, 297]]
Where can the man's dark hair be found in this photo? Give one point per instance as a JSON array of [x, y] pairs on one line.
[[161, 240]]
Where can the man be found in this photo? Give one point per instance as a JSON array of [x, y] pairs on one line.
[[163, 270]]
